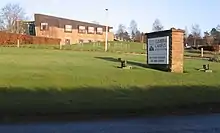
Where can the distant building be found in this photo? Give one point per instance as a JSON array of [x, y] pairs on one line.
[[69, 31]]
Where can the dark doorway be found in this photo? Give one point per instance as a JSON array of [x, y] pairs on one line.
[[67, 41]]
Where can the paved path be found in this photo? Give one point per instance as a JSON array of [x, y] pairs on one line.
[[171, 124]]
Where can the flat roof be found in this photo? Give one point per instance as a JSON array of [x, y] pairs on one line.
[[76, 21]]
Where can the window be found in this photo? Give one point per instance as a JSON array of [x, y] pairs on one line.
[[44, 26], [82, 29], [99, 30], [68, 28], [91, 30], [110, 30]]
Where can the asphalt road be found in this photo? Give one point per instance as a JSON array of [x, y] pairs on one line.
[[168, 124]]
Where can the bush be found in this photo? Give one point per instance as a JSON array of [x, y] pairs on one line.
[[207, 48], [11, 38], [215, 58]]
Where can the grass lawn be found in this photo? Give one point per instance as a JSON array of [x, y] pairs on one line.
[[61, 81]]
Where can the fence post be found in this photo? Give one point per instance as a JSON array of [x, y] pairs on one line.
[[201, 52], [60, 46], [18, 43], [144, 46], [109, 45]]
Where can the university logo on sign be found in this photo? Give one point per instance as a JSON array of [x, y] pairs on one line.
[[151, 48]]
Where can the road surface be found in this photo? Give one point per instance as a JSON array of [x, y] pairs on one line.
[[168, 124]]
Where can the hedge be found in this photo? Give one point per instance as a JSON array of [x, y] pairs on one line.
[[11, 38]]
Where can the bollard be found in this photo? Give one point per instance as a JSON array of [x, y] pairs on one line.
[[123, 63], [201, 52]]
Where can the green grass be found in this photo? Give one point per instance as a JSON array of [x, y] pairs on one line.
[[45, 80]]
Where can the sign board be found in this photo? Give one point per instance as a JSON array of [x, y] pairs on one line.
[[158, 50]]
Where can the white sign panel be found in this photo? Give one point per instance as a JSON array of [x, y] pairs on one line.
[[158, 50]]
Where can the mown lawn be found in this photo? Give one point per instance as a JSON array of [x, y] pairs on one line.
[[60, 81]]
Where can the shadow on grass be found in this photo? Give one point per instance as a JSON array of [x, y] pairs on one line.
[[68, 104], [133, 63]]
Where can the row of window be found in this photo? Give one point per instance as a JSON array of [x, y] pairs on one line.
[[81, 29], [90, 30], [88, 41], [67, 41]]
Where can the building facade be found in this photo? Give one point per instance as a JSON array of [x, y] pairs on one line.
[[70, 31]]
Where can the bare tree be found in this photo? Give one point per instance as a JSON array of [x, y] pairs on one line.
[[215, 33], [138, 36], [121, 30], [186, 33], [206, 34], [122, 33], [1, 25], [208, 39], [11, 17], [196, 32], [157, 26], [134, 29]]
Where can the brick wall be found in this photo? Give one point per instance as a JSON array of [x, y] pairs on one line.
[[177, 51], [11, 38], [56, 27]]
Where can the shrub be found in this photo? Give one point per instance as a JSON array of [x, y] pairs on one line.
[[11, 38], [215, 58], [207, 48]]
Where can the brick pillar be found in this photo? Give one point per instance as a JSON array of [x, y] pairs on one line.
[[177, 51]]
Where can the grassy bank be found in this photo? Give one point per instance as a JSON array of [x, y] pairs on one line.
[[57, 81]]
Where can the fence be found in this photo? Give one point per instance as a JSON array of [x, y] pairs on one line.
[[112, 47], [130, 47], [11, 39]]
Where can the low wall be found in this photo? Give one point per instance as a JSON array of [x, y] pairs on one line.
[[11, 38]]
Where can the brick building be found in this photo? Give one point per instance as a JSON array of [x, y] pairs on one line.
[[70, 31]]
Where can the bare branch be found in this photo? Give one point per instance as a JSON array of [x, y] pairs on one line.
[[11, 16], [157, 26], [196, 31]]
